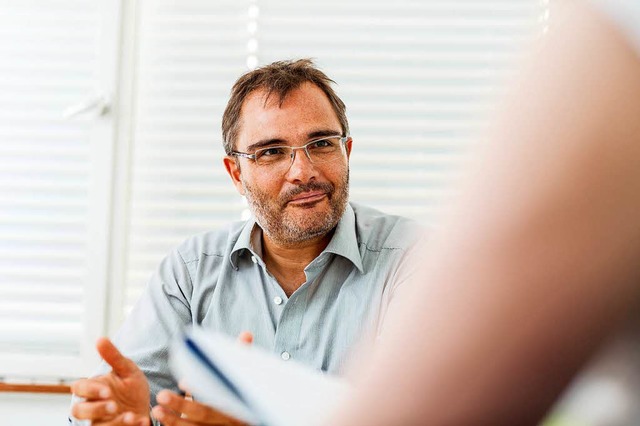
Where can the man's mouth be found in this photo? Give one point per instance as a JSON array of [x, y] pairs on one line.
[[310, 197]]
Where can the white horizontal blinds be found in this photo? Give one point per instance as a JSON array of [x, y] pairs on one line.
[[48, 58], [190, 53], [417, 77]]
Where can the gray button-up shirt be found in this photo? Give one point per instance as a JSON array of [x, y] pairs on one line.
[[219, 281]]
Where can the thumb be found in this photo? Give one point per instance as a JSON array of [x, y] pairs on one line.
[[245, 337], [121, 366]]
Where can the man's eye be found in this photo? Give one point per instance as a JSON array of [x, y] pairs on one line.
[[323, 143], [270, 152]]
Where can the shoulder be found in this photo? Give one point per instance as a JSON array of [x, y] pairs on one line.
[[218, 243], [378, 230]]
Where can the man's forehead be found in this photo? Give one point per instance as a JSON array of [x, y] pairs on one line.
[[302, 112], [271, 97]]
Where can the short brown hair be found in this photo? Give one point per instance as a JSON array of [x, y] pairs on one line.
[[278, 78]]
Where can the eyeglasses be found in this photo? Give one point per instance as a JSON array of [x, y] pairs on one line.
[[322, 150]]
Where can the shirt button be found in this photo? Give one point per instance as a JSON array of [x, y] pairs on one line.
[[253, 259], [277, 300], [285, 355]]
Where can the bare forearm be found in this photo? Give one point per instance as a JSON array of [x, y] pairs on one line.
[[539, 265]]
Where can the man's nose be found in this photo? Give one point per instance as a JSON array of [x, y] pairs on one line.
[[302, 168]]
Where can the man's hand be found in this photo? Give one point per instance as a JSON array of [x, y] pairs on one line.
[[118, 398], [175, 410]]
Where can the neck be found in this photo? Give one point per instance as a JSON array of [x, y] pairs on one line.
[[286, 262]]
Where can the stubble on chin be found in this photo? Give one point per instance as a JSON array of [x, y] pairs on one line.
[[285, 224]]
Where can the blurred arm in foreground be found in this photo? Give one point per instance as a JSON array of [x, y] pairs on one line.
[[541, 262]]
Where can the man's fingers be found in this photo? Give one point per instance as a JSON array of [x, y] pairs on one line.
[[94, 410], [122, 420], [194, 411], [130, 418], [168, 417], [90, 389], [245, 337], [121, 366]]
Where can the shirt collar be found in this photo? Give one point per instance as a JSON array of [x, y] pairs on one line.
[[343, 243], [243, 242]]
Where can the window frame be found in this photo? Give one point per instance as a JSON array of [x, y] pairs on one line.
[[48, 368]]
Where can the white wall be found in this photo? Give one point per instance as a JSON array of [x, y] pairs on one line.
[[29, 409]]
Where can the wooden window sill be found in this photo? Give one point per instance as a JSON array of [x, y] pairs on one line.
[[34, 388]]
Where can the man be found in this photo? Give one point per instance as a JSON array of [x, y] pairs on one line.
[[307, 275]]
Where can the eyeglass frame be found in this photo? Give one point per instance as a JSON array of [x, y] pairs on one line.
[[343, 142]]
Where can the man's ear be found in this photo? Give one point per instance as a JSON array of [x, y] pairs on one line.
[[233, 168], [348, 147]]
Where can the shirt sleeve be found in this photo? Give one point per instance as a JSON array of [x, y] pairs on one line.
[[406, 271], [162, 311]]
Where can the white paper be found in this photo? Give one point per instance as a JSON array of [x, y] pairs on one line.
[[206, 388], [277, 392]]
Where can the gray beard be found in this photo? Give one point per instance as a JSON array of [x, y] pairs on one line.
[[277, 224]]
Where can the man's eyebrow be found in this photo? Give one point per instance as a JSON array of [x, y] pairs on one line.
[[265, 142], [277, 141], [323, 132]]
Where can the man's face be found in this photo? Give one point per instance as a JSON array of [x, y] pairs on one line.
[[305, 200]]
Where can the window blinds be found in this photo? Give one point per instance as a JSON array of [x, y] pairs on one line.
[[418, 78], [49, 58], [190, 53]]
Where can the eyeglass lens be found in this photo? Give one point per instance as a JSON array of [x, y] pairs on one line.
[[318, 151]]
